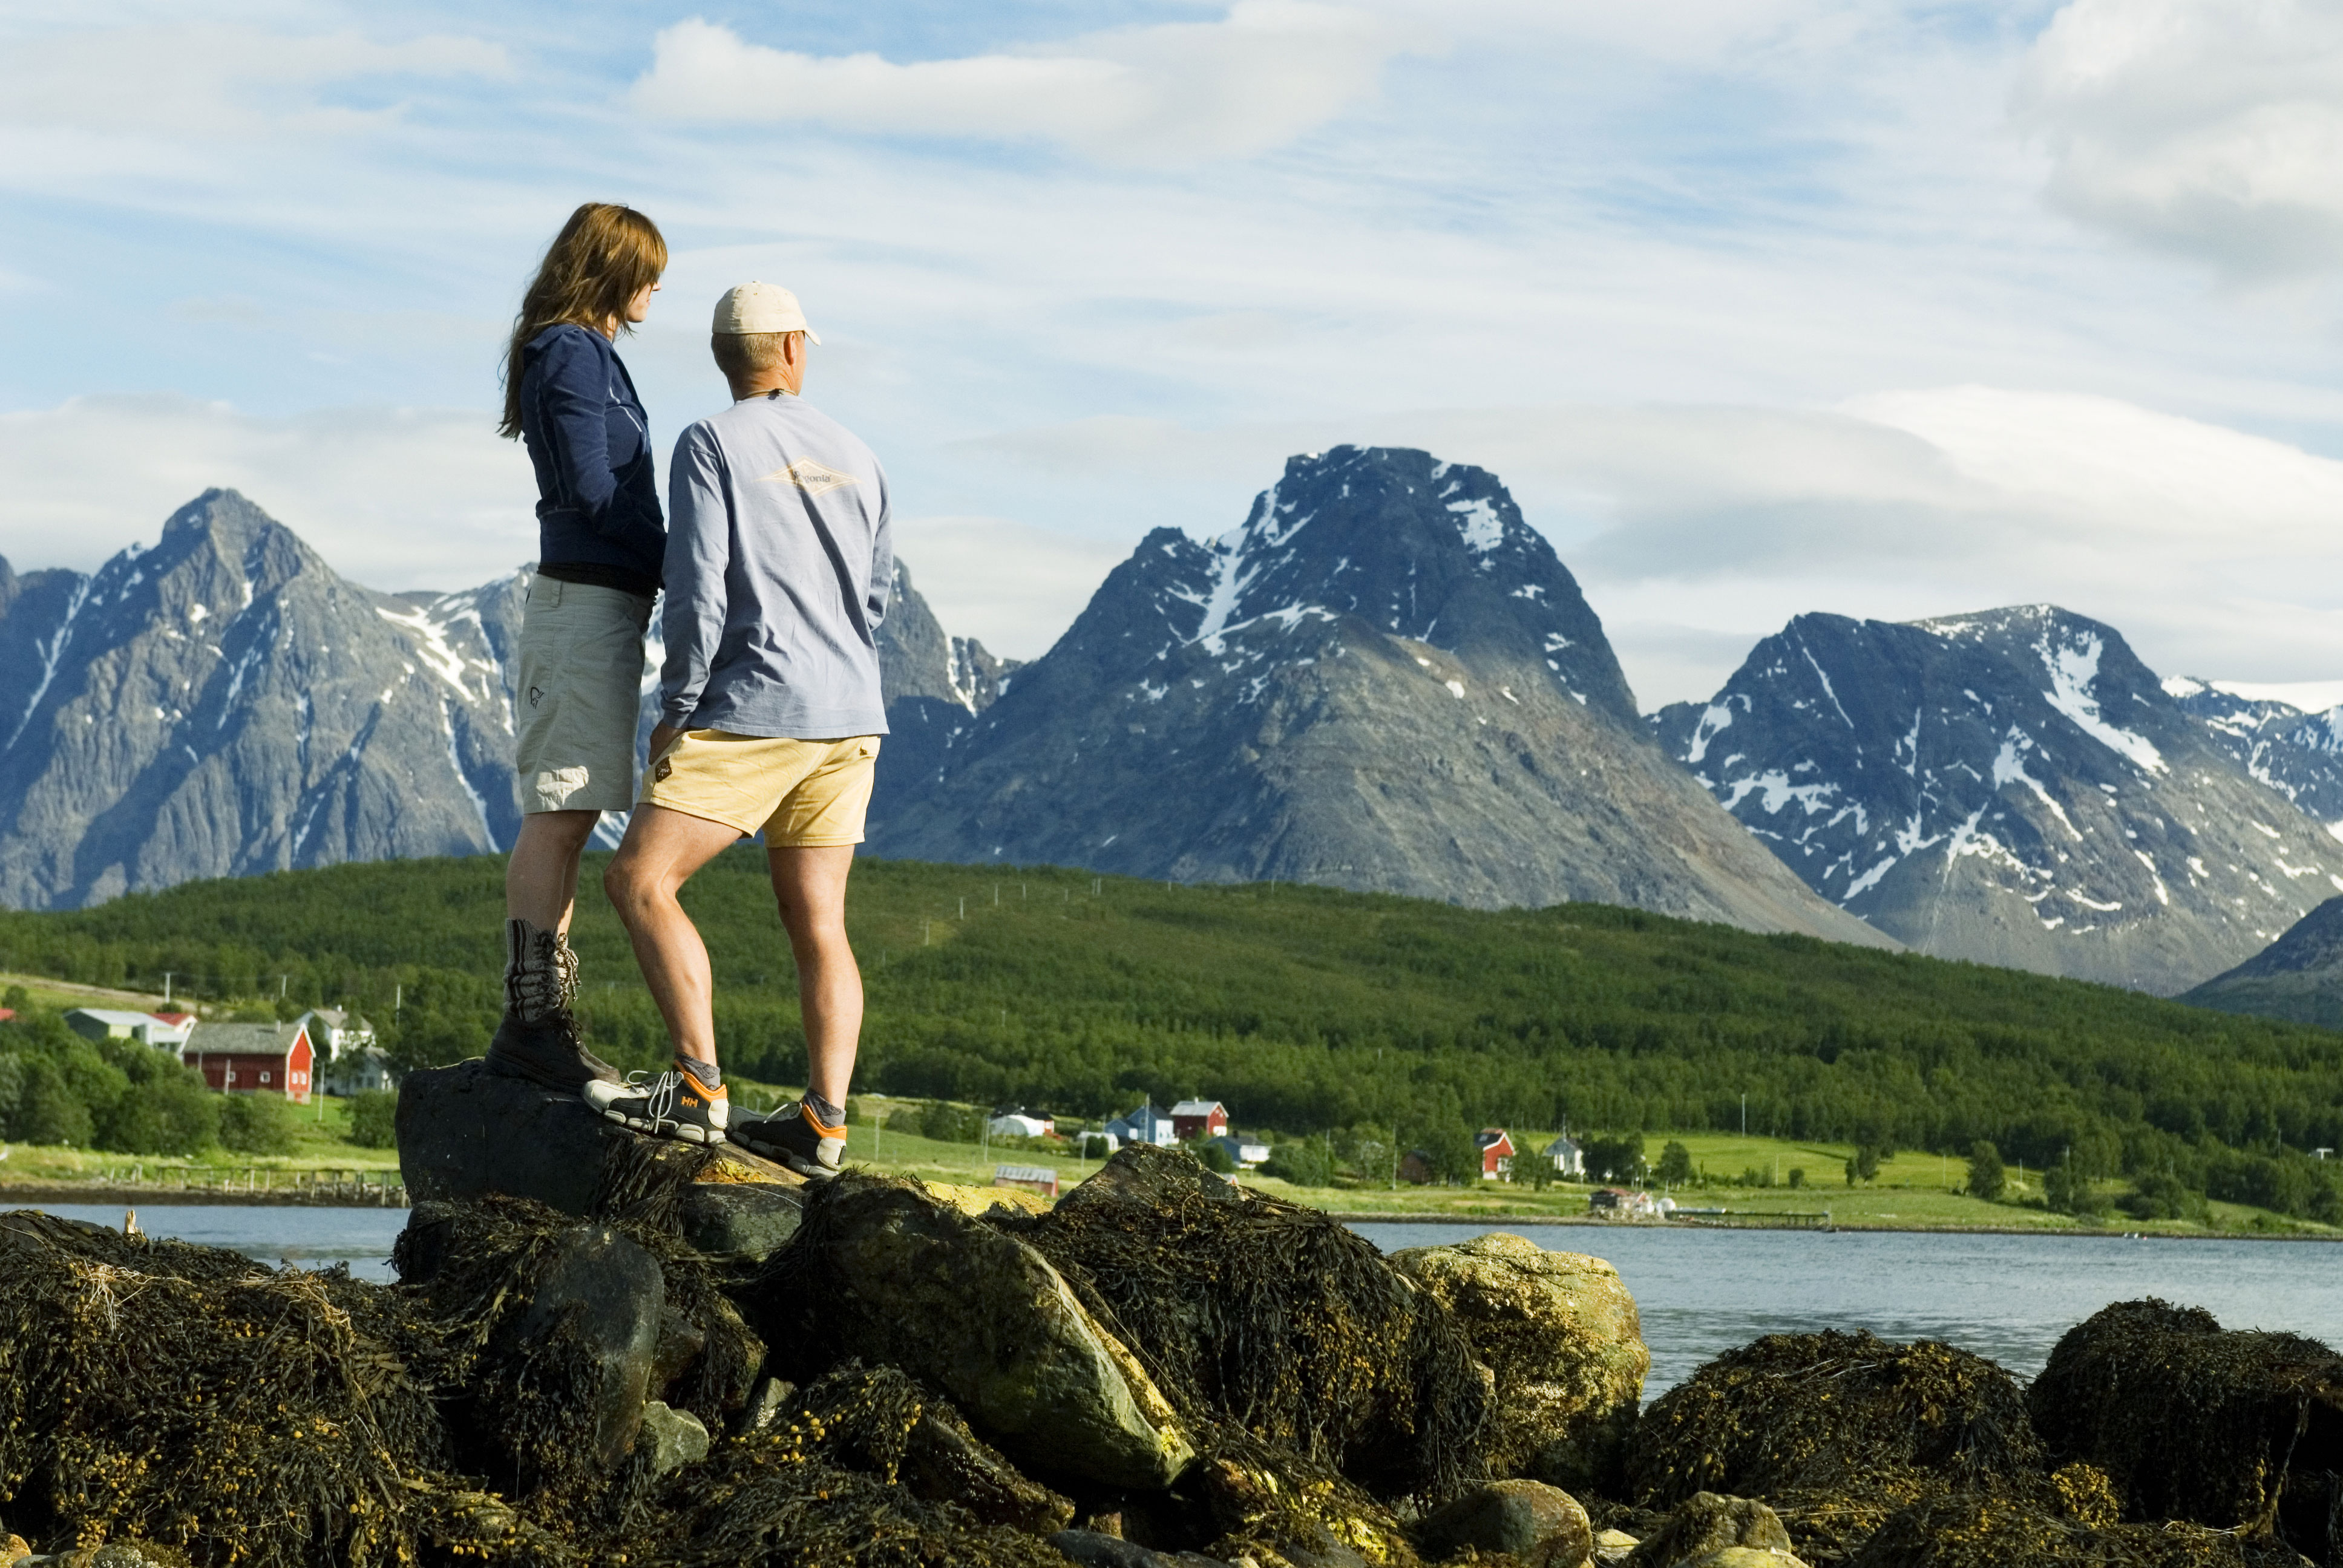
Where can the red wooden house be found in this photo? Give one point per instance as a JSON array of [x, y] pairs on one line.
[[254, 1058], [1496, 1155], [1199, 1119]]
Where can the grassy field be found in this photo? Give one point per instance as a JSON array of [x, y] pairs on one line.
[[63, 994]]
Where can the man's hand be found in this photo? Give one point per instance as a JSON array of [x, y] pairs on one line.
[[662, 737]]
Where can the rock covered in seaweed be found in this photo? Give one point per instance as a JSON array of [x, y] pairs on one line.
[[1274, 1317], [464, 1132], [1976, 1530], [1560, 1333], [2226, 1428], [1707, 1523], [883, 1273], [1835, 1431]]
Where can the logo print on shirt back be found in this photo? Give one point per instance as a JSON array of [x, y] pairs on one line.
[[814, 479]]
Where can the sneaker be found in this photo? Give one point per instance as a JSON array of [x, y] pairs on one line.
[[791, 1137], [671, 1105], [549, 1053]]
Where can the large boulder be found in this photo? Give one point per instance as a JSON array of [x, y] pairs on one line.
[[594, 1315], [742, 1220], [882, 1271], [1538, 1525], [464, 1132], [1560, 1331]]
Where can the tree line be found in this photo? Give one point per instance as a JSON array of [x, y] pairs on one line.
[[1307, 1010]]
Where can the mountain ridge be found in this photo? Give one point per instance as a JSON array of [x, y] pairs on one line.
[[1384, 679], [2013, 787]]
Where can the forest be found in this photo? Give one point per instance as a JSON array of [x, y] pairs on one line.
[[1305, 1009]]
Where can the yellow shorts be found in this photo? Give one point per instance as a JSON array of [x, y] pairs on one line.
[[802, 794]]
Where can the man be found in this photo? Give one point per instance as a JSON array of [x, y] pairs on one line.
[[778, 565]]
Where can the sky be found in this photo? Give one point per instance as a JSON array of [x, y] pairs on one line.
[[1759, 307]]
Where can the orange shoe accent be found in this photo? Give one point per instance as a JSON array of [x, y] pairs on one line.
[[815, 1122]]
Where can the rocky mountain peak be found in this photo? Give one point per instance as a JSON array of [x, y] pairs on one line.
[[1382, 678], [2014, 786], [1435, 553]]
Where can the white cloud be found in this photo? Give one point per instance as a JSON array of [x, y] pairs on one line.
[[2211, 127], [213, 80], [1263, 74], [1013, 587], [396, 498]]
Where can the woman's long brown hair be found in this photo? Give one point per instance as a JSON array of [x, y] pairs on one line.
[[603, 257]]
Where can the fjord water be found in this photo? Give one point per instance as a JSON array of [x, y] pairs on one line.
[[311, 1238], [1699, 1293]]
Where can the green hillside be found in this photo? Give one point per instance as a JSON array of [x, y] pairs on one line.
[[1307, 1009]]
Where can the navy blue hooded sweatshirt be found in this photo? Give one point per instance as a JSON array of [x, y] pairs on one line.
[[597, 509]]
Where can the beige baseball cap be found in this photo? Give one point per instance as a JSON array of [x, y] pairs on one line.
[[761, 307]]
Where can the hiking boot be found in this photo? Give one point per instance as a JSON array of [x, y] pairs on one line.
[[537, 1038], [548, 1053], [793, 1138], [672, 1105]]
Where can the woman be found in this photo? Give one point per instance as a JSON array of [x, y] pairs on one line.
[[600, 544]]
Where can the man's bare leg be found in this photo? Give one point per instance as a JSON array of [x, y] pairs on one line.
[[662, 851], [541, 877], [810, 886]]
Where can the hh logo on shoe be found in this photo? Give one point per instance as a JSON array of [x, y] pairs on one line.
[[814, 479]]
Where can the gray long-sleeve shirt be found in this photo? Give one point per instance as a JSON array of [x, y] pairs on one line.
[[778, 559]]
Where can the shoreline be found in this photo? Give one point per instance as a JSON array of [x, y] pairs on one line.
[[346, 1195], [322, 1195]]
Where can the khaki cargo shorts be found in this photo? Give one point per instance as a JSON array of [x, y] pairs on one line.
[[581, 691], [801, 794]]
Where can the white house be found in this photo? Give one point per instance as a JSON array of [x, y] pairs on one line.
[[166, 1032], [1568, 1158], [1145, 1125], [358, 1070], [334, 1032]]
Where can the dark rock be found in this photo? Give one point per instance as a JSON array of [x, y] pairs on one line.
[[745, 1220], [885, 1272], [681, 1342], [1706, 1523], [598, 1305], [1092, 1550], [464, 1132], [670, 1439], [1541, 1525], [944, 1462]]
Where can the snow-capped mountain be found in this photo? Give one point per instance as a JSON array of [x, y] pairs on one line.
[[2012, 787], [1383, 679], [2298, 754], [224, 703]]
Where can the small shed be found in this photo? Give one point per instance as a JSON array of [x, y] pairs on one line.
[[255, 1059], [1038, 1179], [1016, 1121], [1199, 1119], [1416, 1167], [1496, 1153]]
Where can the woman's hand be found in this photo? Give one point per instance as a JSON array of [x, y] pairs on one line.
[[662, 737]]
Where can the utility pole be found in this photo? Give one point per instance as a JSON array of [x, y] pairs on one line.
[[166, 988], [1744, 1114]]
